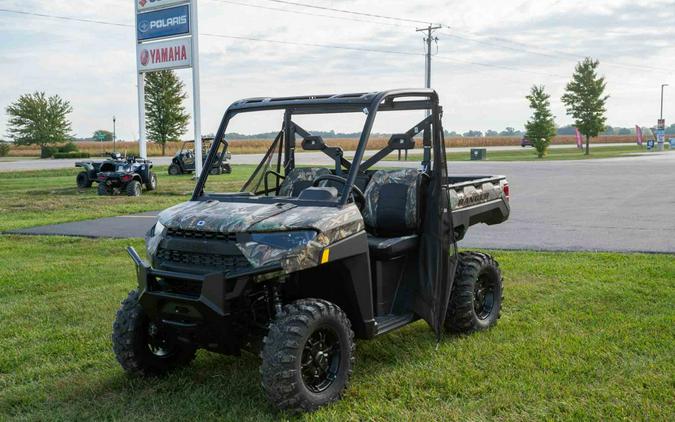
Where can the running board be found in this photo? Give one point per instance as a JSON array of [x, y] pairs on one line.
[[390, 322]]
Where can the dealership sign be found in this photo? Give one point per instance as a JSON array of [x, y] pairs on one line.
[[143, 5], [170, 22], [169, 54]]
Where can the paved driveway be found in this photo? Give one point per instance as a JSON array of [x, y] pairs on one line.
[[622, 204]]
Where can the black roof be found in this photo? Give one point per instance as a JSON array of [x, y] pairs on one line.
[[339, 102]]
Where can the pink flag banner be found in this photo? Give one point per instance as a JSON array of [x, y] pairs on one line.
[[579, 141], [638, 133]]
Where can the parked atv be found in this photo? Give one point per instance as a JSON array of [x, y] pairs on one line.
[[89, 175], [184, 160], [128, 176], [302, 261]]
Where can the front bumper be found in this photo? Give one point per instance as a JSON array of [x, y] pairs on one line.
[[197, 308]]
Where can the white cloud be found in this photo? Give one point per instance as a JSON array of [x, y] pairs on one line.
[[93, 65]]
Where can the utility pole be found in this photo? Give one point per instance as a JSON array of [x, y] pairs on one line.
[[114, 120], [662, 85], [427, 66]]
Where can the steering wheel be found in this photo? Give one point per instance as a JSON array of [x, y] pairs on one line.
[[357, 194]]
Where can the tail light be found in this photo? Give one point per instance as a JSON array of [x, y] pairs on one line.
[[507, 191], [127, 178], [101, 177]]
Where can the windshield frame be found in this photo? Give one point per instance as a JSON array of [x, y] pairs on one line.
[[368, 103]]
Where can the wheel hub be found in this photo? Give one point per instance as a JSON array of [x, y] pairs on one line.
[[320, 360]]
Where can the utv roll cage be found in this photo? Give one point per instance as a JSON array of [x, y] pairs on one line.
[[369, 103]]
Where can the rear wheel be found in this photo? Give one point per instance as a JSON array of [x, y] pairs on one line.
[[307, 356], [476, 298], [174, 170], [227, 169], [141, 346], [83, 180], [103, 189], [134, 188], [216, 170], [152, 184]]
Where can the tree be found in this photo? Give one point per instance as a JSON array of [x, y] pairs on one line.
[[540, 129], [35, 119], [102, 133], [473, 134], [166, 117], [585, 100], [491, 132]]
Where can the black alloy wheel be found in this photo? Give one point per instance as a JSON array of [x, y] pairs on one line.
[[321, 360]]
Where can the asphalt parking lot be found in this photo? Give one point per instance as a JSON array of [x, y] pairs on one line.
[[620, 204]]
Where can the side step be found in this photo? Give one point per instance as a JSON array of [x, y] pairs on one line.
[[390, 322]]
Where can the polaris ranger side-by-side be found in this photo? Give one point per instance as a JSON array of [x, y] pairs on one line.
[[303, 260], [184, 160]]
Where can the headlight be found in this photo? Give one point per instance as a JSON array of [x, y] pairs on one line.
[[284, 240], [159, 229], [153, 238]]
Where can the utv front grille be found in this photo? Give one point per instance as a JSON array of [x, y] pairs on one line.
[[196, 234], [224, 263], [182, 287]]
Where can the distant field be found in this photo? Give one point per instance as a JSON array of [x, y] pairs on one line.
[[529, 154], [252, 146]]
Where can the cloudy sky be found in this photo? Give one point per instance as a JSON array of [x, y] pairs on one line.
[[485, 63]]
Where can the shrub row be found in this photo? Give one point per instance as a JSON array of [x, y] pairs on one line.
[[4, 149], [70, 147], [74, 154]]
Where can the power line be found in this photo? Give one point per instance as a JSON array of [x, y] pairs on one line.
[[285, 42], [351, 12], [66, 18], [234, 37], [300, 12]]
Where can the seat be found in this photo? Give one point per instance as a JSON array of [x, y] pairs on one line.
[[392, 212], [300, 179]]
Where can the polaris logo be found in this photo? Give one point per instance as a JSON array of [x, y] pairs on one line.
[[201, 223], [146, 26]]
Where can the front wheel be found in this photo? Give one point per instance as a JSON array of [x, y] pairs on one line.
[[174, 170], [227, 169], [476, 298], [141, 346], [307, 356], [152, 183]]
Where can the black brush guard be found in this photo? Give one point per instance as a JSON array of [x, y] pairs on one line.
[[199, 311]]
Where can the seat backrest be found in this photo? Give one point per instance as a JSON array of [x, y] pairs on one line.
[[393, 202], [300, 179]]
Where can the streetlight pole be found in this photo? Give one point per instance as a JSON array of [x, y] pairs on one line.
[[114, 120], [662, 85]]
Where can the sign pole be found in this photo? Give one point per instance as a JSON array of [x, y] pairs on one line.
[[142, 150], [196, 89]]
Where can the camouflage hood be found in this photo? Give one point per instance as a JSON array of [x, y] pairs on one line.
[[238, 217], [330, 223]]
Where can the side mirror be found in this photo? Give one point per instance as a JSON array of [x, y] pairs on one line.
[[401, 141], [313, 143]]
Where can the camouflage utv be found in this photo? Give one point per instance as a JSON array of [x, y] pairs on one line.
[[302, 261]]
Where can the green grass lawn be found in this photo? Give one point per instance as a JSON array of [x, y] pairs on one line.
[[31, 198], [529, 154], [587, 336]]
